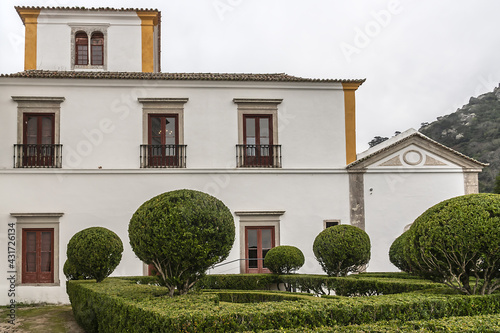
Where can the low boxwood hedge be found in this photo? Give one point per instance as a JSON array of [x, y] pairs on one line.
[[123, 305], [483, 323], [354, 285], [250, 296], [237, 281]]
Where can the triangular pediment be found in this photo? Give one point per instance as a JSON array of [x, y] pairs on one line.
[[412, 149]]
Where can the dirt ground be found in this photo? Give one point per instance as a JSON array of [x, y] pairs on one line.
[[44, 318]]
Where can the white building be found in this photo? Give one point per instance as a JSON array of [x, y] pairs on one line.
[[92, 129]]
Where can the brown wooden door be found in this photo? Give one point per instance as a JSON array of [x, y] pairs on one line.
[[163, 140], [258, 140], [258, 241], [38, 140], [38, 256]]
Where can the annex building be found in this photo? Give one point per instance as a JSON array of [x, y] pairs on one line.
[[92, 128]]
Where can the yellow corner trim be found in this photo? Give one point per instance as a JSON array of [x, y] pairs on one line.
[[148, 21], [350, 119], [30, 20]]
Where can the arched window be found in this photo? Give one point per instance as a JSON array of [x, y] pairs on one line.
[[82, 48], [97, 48]]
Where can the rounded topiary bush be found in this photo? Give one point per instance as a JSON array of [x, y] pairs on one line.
[[94, 252], [71, 272], [284, 259], [182, 233], [457, 239], [397, 253], [342, 249]]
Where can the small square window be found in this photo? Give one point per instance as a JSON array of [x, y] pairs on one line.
[[330, 223]]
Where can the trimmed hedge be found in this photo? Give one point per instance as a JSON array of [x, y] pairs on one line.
[[237, 281], [366, 284], [389, 275], [484, 323], [246, 296], [118, 305]]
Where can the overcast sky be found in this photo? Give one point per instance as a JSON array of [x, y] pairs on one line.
[[422, 59]]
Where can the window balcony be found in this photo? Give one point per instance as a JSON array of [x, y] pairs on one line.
[[37, 156], [163, 156], [258, 156]]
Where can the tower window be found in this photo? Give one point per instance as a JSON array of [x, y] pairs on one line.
[[97, 48], [82, 47]]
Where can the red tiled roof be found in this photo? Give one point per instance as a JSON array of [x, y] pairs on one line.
[[88, 8], [276, 77]]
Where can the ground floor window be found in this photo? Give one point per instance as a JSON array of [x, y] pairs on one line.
[[259, 232], [258, 241], [37, 248], [38, 256]]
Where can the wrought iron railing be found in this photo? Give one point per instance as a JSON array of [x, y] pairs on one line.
[[258, 156], [37, 156], [163, 156]]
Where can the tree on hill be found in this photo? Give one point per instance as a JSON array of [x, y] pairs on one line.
[[473, 130]]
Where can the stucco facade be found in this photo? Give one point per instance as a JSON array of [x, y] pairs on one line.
[[77, 150]]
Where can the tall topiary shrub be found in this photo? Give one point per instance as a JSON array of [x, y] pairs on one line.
[[182, 233], [94, 252], [342, 249], [284, 259], [397, 253], [458, 239]]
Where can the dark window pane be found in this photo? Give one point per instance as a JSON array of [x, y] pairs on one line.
[[252, 255], [264, 252], [46, 262], [30, 241], [156, 132], [31, 262], [46, 241]]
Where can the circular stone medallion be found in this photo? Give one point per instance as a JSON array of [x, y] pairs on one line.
[[412, 157]]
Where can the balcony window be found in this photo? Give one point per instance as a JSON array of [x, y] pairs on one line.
[[38, 149], [163, 150], [258, 149], [163, 135], [258, 133]]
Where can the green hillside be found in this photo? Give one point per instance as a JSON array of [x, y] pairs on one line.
[[473, 130]]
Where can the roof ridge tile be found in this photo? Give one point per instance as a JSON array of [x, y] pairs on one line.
[[277, 77]]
